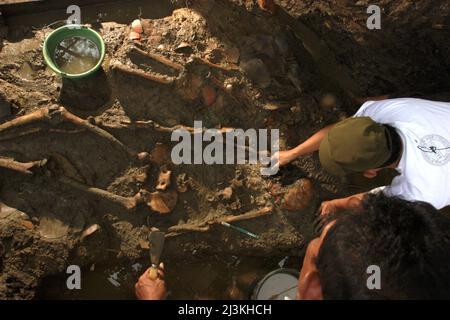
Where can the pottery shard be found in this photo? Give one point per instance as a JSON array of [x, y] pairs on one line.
[[299, 196], [28, 224], [134, 35], [163, 202]]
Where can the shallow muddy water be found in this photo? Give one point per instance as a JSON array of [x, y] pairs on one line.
[[75, 55]]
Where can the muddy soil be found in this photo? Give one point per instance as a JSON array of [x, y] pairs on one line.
[[231, 66]]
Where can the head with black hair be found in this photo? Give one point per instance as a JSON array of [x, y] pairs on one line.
[[408, 241]]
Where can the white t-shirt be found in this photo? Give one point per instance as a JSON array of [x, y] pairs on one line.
[[424, 127]]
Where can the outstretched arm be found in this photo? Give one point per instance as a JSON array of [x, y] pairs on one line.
[[310, 145]]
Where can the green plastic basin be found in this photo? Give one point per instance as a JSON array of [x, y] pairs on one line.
[[67, 31]]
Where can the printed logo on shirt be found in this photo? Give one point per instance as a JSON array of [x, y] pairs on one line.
[[435, 149]]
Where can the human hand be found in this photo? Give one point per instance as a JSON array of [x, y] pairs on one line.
[[148, 289], [329, 207]]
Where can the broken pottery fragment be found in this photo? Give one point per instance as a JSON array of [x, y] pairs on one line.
[[163, 202], [134, 35], [28, 224]]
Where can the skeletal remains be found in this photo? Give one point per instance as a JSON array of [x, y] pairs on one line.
[[54, 116], [161, 202], [22, 167], [205, 226]]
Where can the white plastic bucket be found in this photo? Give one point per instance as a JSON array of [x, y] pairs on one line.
[[280, 284]]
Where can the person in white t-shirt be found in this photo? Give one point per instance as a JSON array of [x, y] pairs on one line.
[[409, 135]]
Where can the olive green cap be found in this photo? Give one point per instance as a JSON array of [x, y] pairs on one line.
[[355, 145]]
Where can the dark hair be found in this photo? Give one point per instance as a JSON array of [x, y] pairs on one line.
[[395, 145], [409, 241]]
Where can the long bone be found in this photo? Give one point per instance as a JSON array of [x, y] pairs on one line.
[[22, 167], [129, 203], [53, 116]]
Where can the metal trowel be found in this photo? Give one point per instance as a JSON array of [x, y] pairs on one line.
[[156, 240]]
